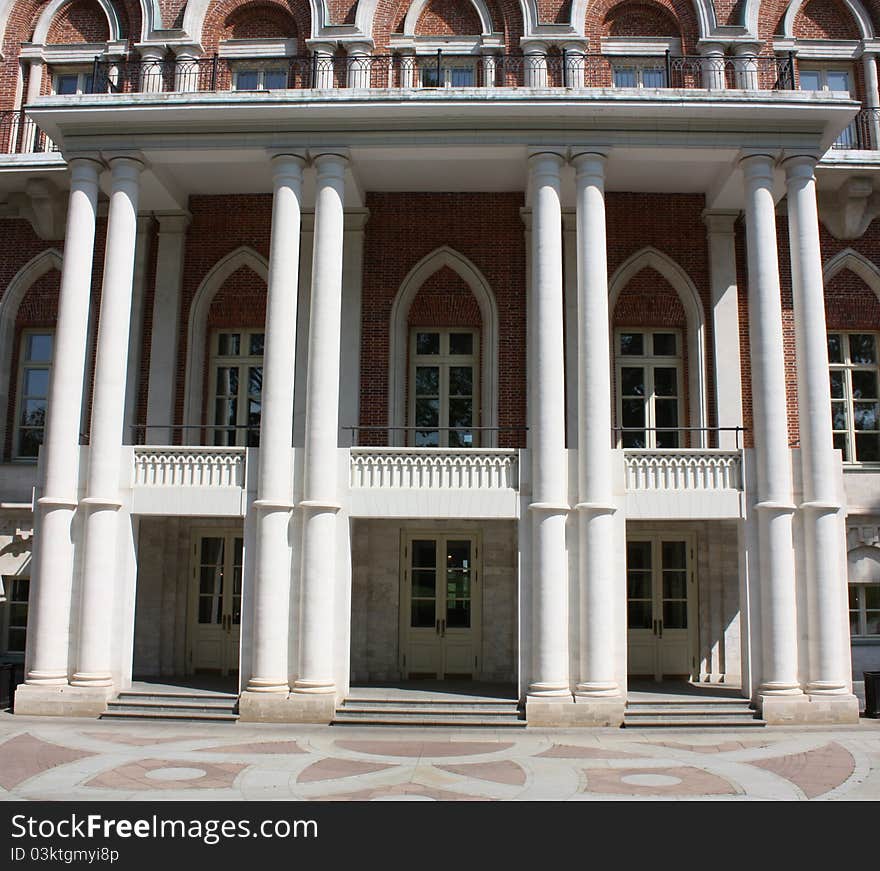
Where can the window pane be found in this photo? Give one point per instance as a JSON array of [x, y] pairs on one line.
[[461, 381], [840, 444], [458, 555], [427, 412], [66, 84], [255, 381], [39, 348], [247, 80], [36, 382], [865, 415], [274, 79], [29, 441], [810, 80], [633, 413], [667, 440], [665, 345], [632, 344], [838, 80], [461, 343], [424, 583], [632, 381], [33, 412], [675, 615], [837, 385], [227, 380], [226, 411], [666, 381], [864, 384], [624, 78], [835, 349], [674, 554], [422, 613], [872, 596], [427, 343], [867, 448], [838, 415], [872, 623], [666, 411], [424, 553], [638, 615], [638, 585], [862, 348], [675, 585], [461, 412], [458, 584], [653, 79], [427, 381], [257, 342], [461, 77], [427, 439], [429, 77], [228, 344], [458, 614], [853, 622], [638, 555]]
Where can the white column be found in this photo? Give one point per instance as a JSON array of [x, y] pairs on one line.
[[575, 67], [713, 67], [93, 665], [274, 502], [822, 528], [778, 601], [595, 488], [187, 69], [28, 135], [725, 324], [549, 506], [872, 100], [320, 498], [746, 67], [152, 68], [164, 335], [535, 65], [359, 66], [490, 67], [408, 69], [322, 58], [49, 620], [136, 328]]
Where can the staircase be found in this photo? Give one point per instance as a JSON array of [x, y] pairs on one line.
[[389, 711], [202, 707], [691, 713]]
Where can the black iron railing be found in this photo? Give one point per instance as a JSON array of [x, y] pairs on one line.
[[20, 135], [862, 133]]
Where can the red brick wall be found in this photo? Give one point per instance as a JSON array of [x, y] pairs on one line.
[[640, 19], [554, 11], [850, 304], [449, 18], [220, 225], [825, 19], [342, 11], [444, 300], [223, 18], [80, 21], [484, 227], [258, 22], [607, 18]]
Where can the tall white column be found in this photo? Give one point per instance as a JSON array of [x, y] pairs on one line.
[[49, 619], [823, 532], [549, 506], [595, 487], [320, 498], [274, 502], [774, 508], [164, 334], [725, 325], [93, 665], [714, 78], [872, 99]]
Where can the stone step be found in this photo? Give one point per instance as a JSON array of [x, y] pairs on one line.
[[692, 723], [683, 702], [422, 714], [201, 716], [689, 711], [430, 707], [422, 720], [155, 696], [180, 708]]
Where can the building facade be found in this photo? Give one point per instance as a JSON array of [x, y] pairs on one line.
[[518, 341]]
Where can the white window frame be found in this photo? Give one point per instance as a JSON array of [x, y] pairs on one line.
[[9, 585], [243, 436], [861, 609], [261, 68], [427, 63], [650, 361], [83, 76], [847, 367], [444, 360], [23, 365], [638, 68]]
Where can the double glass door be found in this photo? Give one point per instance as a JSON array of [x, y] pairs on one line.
[[216, 603], [660, 604], [440, 614]]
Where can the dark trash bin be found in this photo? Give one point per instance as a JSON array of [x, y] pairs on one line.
[[872, 694]]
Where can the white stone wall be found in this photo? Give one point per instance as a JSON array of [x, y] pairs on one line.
[[717, 574], [375, 607]]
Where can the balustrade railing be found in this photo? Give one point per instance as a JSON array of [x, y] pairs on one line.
[[683, 469], [188, 467], [20, 135], [862, 133], [443, 70]]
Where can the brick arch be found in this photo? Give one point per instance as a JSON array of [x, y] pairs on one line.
[[448, 18], [27, 14], [259, 21], [825, 19], [384, 17], [240, 301], [639, 18], [636, 18], [444, 300], [259, 17], [850, 303], [79, 21]]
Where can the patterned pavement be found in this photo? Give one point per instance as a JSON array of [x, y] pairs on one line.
[[66, 759]]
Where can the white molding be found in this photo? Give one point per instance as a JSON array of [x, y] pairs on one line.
[[197, 324], [254, 48], [820, 49], [82, 53], [20, 284], [398, 347], [640, 45], [651, 258]]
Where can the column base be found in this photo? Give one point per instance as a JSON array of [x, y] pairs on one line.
[[808, 709], [573, 712], [62, 701], [282, 708]]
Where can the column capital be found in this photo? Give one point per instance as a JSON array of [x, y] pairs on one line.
[[589, 162], [118, 159], [533, 46], [746, 49], [546, 157], [322, 159], [720, 220], [758, 164], [172, 222], [710, 49], [88, 161], [799, 164], [287, 164]]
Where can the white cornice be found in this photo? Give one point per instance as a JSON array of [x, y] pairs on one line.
[[253, 48]]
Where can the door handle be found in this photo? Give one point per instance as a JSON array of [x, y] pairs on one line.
[[660, 624], [437, 627], [442, 628], [654, 626]]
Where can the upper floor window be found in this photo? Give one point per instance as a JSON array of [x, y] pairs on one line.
[[864, 609], [649, 379], [649, 74], [237, 380], [33, 393], [831, 78], [260, 78], [16, 608], [443, 387], [855, 400], [457, 73], [73, 82]]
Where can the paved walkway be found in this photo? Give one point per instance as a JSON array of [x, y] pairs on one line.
[[47, 758]]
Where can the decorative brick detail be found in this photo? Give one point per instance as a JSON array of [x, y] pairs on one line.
[[640, 19], [227, 19], [660, 18], [80, 21], [850, 304], [444, 300], [825, 19], [449, 18]]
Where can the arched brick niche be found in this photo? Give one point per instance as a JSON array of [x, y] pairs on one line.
[[80, 21], [255, 19], [850, 303], [825, 19], [444, 300], [449, 18], [634, 18], [506, 18]]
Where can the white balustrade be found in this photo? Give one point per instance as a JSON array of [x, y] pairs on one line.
[[434, 469], [683, 470], [188, 467]]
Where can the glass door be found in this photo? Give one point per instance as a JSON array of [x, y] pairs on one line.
[[439, 625]]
